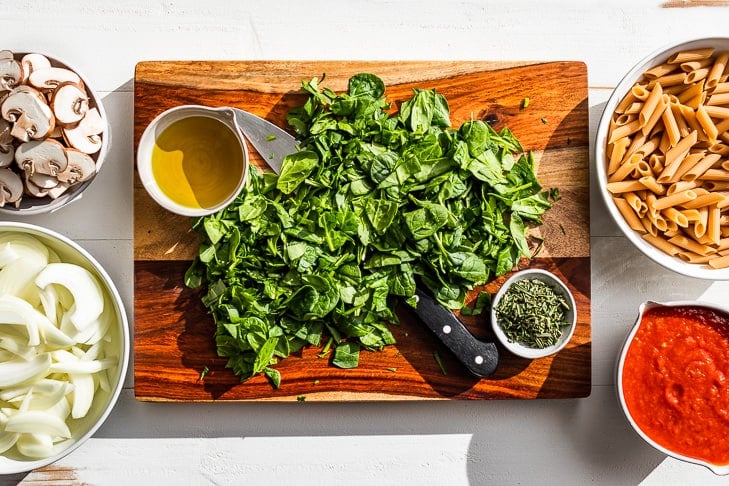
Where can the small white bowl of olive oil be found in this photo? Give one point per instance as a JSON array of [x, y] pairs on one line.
[[193, 160]]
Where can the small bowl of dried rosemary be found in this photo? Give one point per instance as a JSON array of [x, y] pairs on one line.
[[533, 314]]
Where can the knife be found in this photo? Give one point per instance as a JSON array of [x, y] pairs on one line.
[[479, 357], [270, 141]]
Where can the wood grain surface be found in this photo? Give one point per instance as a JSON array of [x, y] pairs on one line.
[[173, 335]]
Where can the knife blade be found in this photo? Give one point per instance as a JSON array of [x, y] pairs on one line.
[[270, 141]]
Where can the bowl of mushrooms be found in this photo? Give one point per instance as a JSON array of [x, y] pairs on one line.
[[54, 133]]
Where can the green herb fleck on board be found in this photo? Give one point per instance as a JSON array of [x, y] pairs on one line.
[[524, 103], [270, 138], [203, 373], [301, 398], [544, 121], [439, 361], [392, 370]]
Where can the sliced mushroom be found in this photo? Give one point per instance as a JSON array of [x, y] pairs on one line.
[[32, 190], [86, 135], [49, 78], [11, 72], [43, 181], [60, 188], [56, 133], [25, 107], [69, 103], [81, 167], [33, 62], [47, 157], [7, 149], [11, 187]]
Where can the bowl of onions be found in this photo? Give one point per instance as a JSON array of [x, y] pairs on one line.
[[64, 346]]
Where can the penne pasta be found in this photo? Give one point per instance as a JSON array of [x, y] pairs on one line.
[[713, 232], [652, 185], [689, 66], [662, 244], [674, 157], [707, 124], [672, 131], [660, 70], [675, 199], [673, 214], [624, 186], [703, 200], [629, 215], [690, 55], [616, 155], [719, 262], [701, 166], [717, 111], [691, 245], [650, 105], [717, 69], [696, 75], [718, 99]]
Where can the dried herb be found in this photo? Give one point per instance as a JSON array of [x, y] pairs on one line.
[[532, 313]]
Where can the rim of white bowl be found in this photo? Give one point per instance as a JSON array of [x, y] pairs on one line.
[[13, 466], [716, 469], [656, 57]]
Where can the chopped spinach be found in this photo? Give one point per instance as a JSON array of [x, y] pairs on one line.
[[371, 204]]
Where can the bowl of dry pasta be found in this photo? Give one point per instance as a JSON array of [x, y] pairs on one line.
[[662, 155]]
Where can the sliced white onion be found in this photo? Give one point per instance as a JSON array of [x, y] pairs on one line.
[[8, 440], [16, 311], [81, 366], [27, 247], [16, 278], [83, 393], [38, 422], [53, 337], [36, 445], [18, 370], [87, 293], [7, 254], [18, 348], [49, 301]]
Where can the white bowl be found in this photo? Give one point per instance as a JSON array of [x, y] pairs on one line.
[[81, 429], [30, 205], [570, 315], [147, 143], [657, 57], [717, 469]]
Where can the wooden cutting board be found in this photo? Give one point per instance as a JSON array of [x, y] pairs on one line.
[[173, 335]]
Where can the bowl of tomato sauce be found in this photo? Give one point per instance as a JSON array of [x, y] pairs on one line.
[[673, 381]]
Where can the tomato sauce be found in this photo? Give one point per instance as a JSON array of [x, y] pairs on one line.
[[676, 381]]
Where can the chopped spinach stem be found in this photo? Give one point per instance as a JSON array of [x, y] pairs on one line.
[[375, 200]]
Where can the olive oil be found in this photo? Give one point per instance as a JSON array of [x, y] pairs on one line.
[[197, 162]]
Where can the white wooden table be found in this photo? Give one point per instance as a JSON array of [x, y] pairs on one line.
[[494, 442]]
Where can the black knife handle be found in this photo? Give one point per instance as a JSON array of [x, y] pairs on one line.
[[479, 357]]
